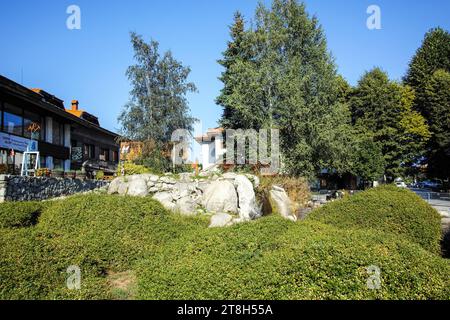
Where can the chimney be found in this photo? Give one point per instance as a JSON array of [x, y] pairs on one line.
[[74, 105]]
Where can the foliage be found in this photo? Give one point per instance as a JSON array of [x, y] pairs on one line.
[[437, 92], [383, 109], [155, 156], [296, 187], [99, 233], [433, 54], [231, 56], [42, 172], [276, 259], [279, 74], [178, 257], [388, 209], [158, 104], [99, 175], [19, 214], [130, 168], [369, 162]]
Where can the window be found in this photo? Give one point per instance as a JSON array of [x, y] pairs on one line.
[[104, 154], [43, 163], [58, 164], [58, 133], [33, 126], [89, 151], [12, 119], [115, 156]]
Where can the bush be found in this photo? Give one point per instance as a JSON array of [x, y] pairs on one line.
[[388, 209], [272, 258], [98, 233], [172, 256], [99, 175], [131, 168], [19, 214]]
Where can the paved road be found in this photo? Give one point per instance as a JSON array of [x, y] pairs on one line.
[[439, 201]]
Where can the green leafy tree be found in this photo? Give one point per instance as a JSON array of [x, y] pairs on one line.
[[234, 53], [384, 108], [434, 54], [286, 79], [369, 162], [437, 92], [158, 103]]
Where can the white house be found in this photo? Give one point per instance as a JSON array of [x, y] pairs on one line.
[[212, 147]]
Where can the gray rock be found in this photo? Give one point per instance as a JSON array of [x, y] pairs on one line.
[[123, 188], [248, 209], [114, 185], [282, 203], [220, 220], [220, 196], [229, 176], [166, 199], [254, 179], [167, 180], [186, 206], [137, 188]]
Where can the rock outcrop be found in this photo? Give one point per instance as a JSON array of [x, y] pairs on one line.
[[230, 197], [280, 200]]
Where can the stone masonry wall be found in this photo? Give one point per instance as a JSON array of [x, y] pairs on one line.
[[17, 188]]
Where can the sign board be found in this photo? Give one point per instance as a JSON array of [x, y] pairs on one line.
[[32, 146], [9, 141], [77, 153]]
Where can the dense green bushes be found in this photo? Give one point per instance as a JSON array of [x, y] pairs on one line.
[[171, 256], [388, 209], [19, 214], [98, 233], [275, 259]]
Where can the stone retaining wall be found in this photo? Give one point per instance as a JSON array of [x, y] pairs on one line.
[[17, 188]]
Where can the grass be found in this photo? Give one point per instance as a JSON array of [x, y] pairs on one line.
[[132, 248]]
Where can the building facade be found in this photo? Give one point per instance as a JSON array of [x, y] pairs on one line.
[[66, 139], [212, 147]]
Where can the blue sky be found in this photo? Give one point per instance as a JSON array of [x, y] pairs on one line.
[[89, 64]]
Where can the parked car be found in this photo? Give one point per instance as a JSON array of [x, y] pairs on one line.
[[434, 184], [400, 184]]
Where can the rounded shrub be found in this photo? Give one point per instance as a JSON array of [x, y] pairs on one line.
[[275, 259], [100, 233], [389, 209], [19, 214]]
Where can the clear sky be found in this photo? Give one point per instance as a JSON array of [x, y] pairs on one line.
[[89, 64]]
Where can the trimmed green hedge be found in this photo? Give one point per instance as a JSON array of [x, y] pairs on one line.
[[389, 209], [98, 233], [19, 214], [272, 258], [172, 256]]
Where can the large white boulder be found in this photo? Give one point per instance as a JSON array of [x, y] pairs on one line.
[[186, 206], [248, 209], [166, 200], [114, 185], [280, 200], [137, 187], [220, 196], [221, 220]]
